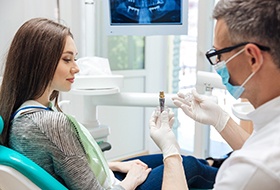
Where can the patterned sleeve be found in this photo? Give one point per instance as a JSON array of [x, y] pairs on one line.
[[49, 140]]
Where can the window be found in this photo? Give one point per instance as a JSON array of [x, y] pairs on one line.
[[126, 52], [216, 146], [187, 77]]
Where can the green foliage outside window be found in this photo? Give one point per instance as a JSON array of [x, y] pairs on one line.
[[126, 52]]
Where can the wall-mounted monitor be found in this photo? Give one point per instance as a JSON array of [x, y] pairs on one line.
[[146, 17]]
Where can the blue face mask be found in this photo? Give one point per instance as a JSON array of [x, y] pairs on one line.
[[222, 70]]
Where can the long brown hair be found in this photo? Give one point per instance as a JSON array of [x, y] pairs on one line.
[[30, 65]]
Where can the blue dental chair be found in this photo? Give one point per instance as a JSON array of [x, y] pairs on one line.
[[19, 172]]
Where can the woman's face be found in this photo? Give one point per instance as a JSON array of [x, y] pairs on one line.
[[66, 68]]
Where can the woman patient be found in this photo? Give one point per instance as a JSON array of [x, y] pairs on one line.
[[39, 64]]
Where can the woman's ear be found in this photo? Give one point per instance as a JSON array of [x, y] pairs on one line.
[[255, 56]]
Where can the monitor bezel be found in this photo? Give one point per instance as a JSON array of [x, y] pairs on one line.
[[147, 29]]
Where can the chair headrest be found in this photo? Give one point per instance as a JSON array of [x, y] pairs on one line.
[[1, 125]]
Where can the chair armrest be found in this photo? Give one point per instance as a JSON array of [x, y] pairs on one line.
[[28, 168], [104, 146]]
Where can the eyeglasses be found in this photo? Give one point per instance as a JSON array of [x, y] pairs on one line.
[[214, 56]]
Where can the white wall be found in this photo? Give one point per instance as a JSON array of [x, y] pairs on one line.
[[13, 13]]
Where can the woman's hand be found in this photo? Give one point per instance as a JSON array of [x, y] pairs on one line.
[[136, 175], [125, 166]]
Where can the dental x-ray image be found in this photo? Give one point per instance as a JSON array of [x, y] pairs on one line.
[[145, 11]]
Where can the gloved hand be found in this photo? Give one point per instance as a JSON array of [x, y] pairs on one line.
[[162, 134], [202, 109]]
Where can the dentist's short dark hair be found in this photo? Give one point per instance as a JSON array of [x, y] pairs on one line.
[[252, 21]]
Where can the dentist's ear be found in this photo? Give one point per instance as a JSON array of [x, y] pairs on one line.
[[255, 56]]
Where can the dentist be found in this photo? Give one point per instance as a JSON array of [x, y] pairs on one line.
[[245, 54]]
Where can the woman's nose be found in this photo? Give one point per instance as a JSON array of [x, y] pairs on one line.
[[75, 69]]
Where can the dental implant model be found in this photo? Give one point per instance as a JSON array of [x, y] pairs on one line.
[[161, 101]]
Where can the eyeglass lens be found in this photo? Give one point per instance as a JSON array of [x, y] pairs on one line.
[[215, 58]]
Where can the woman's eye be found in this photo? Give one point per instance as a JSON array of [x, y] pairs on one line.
[[67, 60]]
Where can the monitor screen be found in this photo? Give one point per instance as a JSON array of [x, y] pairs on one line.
[[146, 17]]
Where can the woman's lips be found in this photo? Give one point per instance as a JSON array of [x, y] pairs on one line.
[[71, 80]]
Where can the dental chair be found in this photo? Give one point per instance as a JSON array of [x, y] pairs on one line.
[[19, 172]]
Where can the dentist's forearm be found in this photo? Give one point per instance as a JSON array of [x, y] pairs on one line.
[[174, 175], [234, 134]]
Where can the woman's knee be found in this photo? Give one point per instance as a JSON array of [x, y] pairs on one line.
[[190, 160]]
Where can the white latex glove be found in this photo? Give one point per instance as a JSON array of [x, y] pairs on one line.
[[162, 134], [202, 109]]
